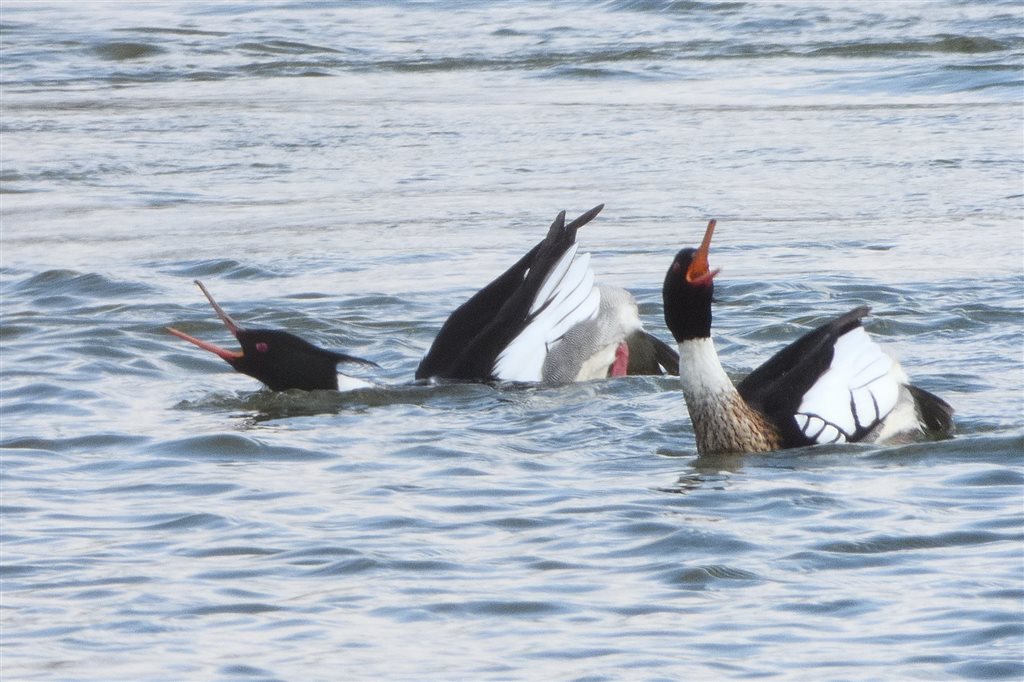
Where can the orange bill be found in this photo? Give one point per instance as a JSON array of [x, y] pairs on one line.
[[699, 272], [224, 317], [225, 354]]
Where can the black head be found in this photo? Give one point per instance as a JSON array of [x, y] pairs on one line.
[[686, 294], [278, 358], [284, 361]]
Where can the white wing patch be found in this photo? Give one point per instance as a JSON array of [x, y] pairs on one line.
[[857, 391], [555, 279], [566, 298]]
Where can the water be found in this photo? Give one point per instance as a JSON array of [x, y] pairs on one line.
[[352, 172]]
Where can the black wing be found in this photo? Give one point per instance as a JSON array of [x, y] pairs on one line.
[[474, 334]]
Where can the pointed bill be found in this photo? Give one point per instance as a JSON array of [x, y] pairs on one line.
[[224, 317], [699, 272], [206, 345]]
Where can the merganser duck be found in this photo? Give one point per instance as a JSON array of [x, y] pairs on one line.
[[832, 385], [279, 359], [544, 320]]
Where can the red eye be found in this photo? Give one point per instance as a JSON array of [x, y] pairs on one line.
[[262, 347]]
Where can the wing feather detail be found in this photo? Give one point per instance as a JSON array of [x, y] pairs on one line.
[[554, 283], [859, 388], [566, 298]]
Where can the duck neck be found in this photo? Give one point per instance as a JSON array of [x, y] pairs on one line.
[[722, 420], [701, 371]]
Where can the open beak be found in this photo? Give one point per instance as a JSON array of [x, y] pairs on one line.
[[224, 317], [228, 355], [699, 273], [232, 326]]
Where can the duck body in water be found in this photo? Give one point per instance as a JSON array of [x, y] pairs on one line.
[[545, 320], [280, 359], [833, 385]]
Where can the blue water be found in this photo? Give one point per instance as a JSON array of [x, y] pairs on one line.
[[354, 171]]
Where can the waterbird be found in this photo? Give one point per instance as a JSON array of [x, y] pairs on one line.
[[832, 385], [280, 359], [545, 320]]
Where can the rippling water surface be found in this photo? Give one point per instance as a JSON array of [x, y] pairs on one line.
[[352, 172]]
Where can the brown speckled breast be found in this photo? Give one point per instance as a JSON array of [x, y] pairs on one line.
[[726, 424]]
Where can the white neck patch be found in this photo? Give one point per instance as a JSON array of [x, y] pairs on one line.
[[700, 370]]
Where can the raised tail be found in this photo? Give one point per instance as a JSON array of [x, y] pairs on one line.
[[934, 413]]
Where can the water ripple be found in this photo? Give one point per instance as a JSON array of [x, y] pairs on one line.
[[911, 542], [352, 172]]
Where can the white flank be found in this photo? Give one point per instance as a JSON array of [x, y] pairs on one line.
[[347, 383], [596, 366], [616, 320], [570, 297], [857, 391], [585, 350]]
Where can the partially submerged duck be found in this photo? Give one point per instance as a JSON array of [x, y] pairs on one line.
[[280, 359], [832, 385], [545, 320]]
